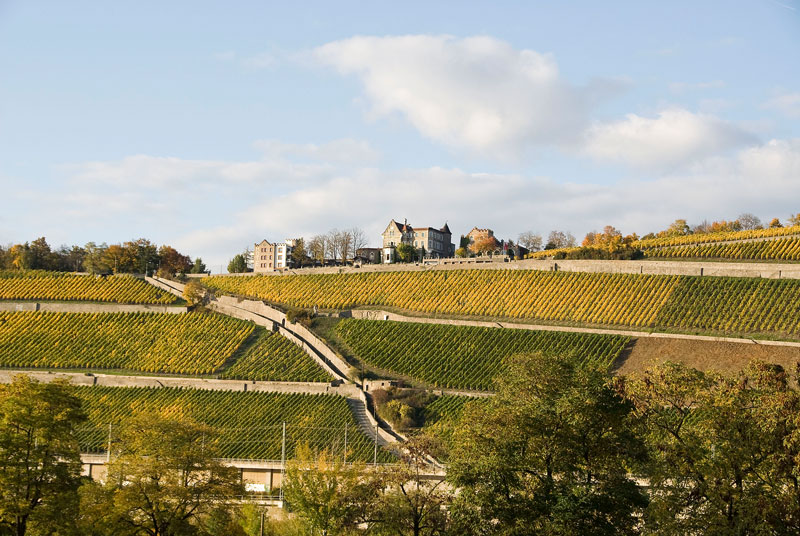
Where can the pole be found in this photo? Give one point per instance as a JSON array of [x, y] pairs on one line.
[[345, 443], [283, 460], [108, 454], [261, 529], [375, 456]]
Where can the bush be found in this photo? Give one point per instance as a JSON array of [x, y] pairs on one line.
[[301, 316]]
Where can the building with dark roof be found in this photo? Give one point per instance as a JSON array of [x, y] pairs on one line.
[[429, 241]]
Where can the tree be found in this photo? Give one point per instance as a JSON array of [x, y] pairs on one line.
[[194, 292], [775, 223], [560, 239], [411, 504], [749, 222], [172, 262], [676, 228], [140, 256], [40, 462], [317, 247], [333, 245], [530, 240], [405, 252], [327, 494], [299, 254], [462, 252], [550, 452], [198, 267], [163, 480], [484, 245], [358, 240], [237, 265], [731, 442], [794, 219]]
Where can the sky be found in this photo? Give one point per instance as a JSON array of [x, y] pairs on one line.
[[210, 126]]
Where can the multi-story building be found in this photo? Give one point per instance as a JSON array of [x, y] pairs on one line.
[[268, 257], [434, 242]]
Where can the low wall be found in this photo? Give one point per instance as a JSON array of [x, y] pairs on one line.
[[52, 307], [712, 269], [113, 380]]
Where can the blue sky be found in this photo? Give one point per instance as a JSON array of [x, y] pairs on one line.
[[210, 126]]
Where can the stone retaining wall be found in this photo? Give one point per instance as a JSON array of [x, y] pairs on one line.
[[52, 307], [714, 269]]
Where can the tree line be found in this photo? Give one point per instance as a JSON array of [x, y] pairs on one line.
[[562, 448], [134, 256]]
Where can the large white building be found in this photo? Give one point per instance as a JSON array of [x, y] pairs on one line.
[[268, 257], [433, 242]]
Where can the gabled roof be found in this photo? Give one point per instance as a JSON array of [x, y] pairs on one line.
[[265, 241], [445, 229]]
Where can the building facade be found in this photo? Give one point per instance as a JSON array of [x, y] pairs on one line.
[[268, 257], [434, 242]]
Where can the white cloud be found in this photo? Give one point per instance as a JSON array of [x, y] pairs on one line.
[[786, 103], [477, 92], [220, 216], [673, 138]]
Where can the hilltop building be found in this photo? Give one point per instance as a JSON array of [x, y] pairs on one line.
[[435, 242], [268, 257]]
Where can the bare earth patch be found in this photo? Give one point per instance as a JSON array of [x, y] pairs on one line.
[[703, 355]]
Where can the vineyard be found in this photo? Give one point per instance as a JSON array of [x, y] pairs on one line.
[[695, 239], [446, 408], [275, 358], [249, 424], [780, 249], [59, 286], [190, 343], [740, 306], [463, 357]]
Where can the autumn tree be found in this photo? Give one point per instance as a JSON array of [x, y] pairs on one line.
[[794, 219], [484, 245], [172, 262], [194, 292], [40, 462], [163, 480], [723, 449], [677, 228], [550, 452], [775, 223]]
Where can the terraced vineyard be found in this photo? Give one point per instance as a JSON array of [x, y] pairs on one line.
[[692, 240], [250, 424], [463, 357], [779, 249], [446, 408], [59, 286], [738, 306], [188, 343], [275, 358]]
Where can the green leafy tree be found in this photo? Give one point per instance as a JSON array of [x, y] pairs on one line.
[[329, 495], [40, 461], [723, 450], [237, 265], [405, 252], [163, 480], [198, 267], [549, 454], [299, 253]]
